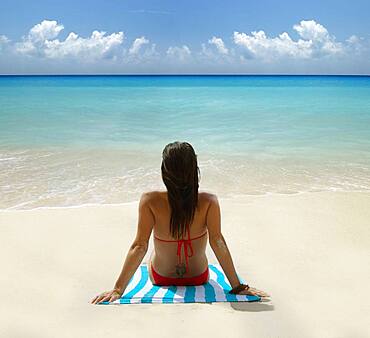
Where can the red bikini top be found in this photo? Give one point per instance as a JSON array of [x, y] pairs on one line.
[[180, 242]]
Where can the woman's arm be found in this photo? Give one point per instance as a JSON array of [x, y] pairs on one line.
[[218, 243], [136, 253], [219, 247]]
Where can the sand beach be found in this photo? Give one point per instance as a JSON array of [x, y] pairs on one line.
[[310, 251]]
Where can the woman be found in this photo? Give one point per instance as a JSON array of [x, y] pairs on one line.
[[181, 219]]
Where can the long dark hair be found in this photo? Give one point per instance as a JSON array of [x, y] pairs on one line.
[[180, 175]]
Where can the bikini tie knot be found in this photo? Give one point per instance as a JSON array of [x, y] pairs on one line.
[[186, 243]]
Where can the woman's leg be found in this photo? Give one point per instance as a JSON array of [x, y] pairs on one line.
[[150, 268]]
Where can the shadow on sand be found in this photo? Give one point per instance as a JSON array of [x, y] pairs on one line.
[[263, 305]]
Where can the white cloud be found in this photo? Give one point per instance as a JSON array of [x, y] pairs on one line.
[[150, 54], [179, 53], [135, 48], [3, 41], [216, 53], [45, 30], [41, 40], [356, 45], [354, 39], [322, 41], [206, 52], [260, 46], [311, 30], [33, 43], [315, 42], [219, 45], [26, 47], [98, 45], [310, 47], [141, 52]]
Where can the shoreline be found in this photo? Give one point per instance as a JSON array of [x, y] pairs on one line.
[[237, 198]]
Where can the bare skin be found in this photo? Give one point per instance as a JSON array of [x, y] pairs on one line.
[[154, 215], [163, 257]]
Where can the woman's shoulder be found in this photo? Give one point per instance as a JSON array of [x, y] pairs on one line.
[[208, 195], [203, 196]]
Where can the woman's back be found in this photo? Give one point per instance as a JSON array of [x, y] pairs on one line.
[[176, 261], [168, 251]]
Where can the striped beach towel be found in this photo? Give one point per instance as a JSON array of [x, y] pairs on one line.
[[141, 290]]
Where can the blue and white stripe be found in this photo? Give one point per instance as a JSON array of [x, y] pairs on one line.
[[141, 290]]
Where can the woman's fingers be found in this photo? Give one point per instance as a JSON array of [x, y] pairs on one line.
[[109, 296], [113, 298], [104, 299], [263, 293], [254, 292], [99, 298], [93, 300], [258, 292], [115, 295]]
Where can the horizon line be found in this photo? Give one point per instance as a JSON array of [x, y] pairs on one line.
[[183, 74]]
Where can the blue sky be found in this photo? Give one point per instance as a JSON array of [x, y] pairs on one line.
[[319, 37]]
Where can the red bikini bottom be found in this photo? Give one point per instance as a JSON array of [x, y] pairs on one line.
[[196, 280]]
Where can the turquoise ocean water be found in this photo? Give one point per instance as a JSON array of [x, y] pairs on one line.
[[71, 140]]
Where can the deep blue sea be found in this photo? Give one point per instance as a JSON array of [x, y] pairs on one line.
[[71, 140]]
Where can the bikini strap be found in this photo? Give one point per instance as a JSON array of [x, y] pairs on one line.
[[176, 240], [186, 242]]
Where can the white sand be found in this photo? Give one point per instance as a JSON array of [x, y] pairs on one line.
[[309, 251]]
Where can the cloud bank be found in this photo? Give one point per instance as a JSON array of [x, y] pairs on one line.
[[314, 42], [42, 41], [313, 49]]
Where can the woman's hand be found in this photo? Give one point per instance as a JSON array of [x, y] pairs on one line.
[[109, 296], [251, 291]]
